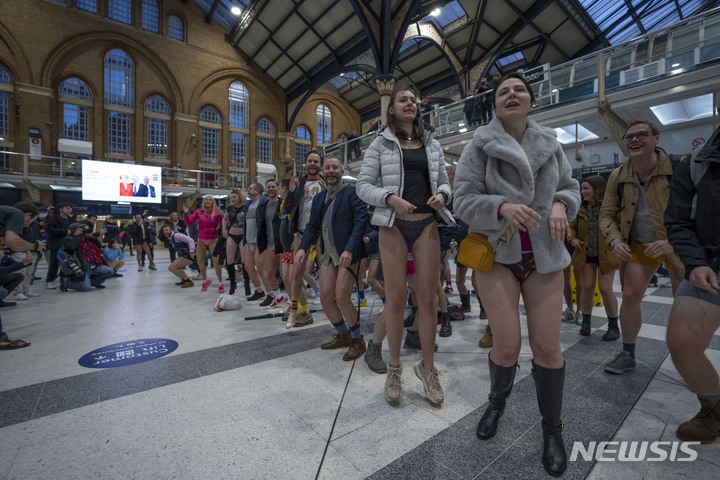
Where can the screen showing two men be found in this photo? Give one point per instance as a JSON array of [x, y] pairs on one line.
[[121, 182]]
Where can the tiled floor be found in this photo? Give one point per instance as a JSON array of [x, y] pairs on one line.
[[248, 399]]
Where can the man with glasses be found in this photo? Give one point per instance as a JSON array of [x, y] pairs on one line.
[[631, 218]]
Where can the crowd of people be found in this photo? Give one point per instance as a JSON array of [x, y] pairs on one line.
[[513, 188]]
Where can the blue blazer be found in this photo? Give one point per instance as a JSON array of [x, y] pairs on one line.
[[348, 223]]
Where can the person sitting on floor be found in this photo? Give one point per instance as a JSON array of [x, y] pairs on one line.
[[114, 257]]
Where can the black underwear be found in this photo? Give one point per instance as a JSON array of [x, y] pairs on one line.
[[237, 238], [410, 229], [523, 269]]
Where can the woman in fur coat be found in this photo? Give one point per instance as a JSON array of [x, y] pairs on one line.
[[513, 180]]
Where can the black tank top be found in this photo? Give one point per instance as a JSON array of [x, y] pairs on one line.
[[417, 179]]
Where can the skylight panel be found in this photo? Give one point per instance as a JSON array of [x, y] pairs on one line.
[[685, 110], [447, 14], [567, 134]]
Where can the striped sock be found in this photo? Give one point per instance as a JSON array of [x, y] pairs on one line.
[[355, 331], [341, 327]]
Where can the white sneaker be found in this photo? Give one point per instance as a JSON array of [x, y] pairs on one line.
[[31, 294], [51, 285], [197, 276], [19, 297], [317, 300], [140, 269]]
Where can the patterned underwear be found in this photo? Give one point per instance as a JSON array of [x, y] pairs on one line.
[[523, 269]]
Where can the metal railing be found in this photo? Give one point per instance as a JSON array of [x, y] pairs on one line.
[[22, 166]]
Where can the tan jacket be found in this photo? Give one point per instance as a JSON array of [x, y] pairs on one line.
[[579, 229], [615, 223]]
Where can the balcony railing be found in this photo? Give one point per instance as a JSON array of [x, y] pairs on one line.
[[20, 164]]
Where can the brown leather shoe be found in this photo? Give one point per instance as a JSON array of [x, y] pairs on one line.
[[486, 340], [357, 348], [704, 427], [338, 341]]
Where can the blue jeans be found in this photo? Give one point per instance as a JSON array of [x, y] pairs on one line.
[[93, 277], [38, 257]]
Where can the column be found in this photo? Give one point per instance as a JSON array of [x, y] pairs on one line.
[[385, 85]]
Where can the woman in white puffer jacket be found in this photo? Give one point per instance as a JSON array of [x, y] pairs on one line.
[[403, 175]]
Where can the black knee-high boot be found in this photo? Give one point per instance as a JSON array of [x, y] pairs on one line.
[[246, 279], [231, 276], [501, 383], [549, 383]]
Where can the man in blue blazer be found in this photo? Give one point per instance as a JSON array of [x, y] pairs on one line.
[[145, 189], [338, 217]]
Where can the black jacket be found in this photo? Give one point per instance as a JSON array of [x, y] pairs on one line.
[[696, 242], [112, 232], [56, 228], [136, 233]]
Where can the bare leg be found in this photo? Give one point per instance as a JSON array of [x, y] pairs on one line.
[[690, 328], [427, 248], [542, 295], [200, 251]]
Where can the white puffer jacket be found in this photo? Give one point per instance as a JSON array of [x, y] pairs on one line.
[[382, 174]]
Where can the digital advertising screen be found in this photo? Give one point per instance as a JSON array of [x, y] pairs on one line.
[[121, 182]]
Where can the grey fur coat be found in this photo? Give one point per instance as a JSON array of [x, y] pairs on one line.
[[495, 169]]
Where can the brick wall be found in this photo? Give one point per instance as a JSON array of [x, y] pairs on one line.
[[44, 42]]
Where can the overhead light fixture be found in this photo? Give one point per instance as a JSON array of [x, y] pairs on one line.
[[173, 194], [435, 12], [235, 10], [675, 65]]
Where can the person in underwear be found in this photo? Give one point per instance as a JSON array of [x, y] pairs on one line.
[[513, 185], [209, 221], [403, 175]]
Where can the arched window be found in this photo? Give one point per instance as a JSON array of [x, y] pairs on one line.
[[6, 87], [119, 100], [87, 5], [265, 134], [150, 16], [210, 135], [238, 96], [157, 112], [303, 142], [119, 79], [324, 124], [120, 10], [176, 29], [238, 119], [77, 100]]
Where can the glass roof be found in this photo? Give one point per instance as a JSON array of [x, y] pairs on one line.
[[448, 14], [222, 13], [622, 21], [345, 78]]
